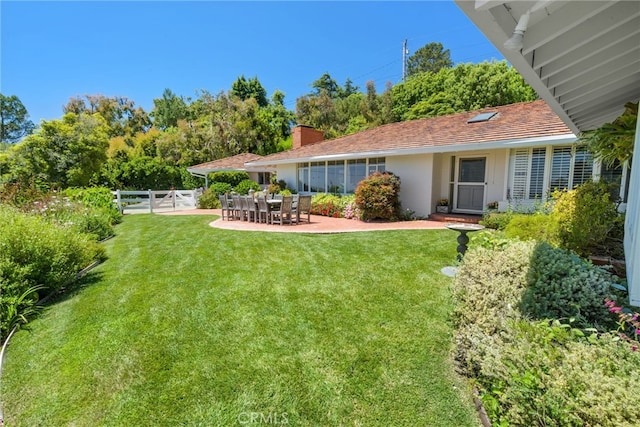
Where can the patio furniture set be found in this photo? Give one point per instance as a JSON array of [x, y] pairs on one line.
[[261, 209]]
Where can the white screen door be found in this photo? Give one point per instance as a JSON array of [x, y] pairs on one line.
[[471, 183]]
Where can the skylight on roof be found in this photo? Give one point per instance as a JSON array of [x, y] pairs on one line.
[[482, 117]]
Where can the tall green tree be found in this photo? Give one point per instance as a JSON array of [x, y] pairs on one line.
[[63, 153], [120, 113], [464, 87], [431, 57], [14, 120], [169, 109], [252, 88]]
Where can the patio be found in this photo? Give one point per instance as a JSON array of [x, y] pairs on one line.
[[318, 224]]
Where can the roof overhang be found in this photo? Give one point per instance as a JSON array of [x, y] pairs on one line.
[[581, 57], [453, 148]]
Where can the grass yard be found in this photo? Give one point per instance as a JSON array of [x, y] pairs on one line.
[[189, 325]]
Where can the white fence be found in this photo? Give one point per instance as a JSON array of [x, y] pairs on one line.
[[161, 200]]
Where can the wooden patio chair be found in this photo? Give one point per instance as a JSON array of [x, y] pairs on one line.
[[252, 211], [283, 213], [237, 206], [263, 209], [304, 207], [226, 209]]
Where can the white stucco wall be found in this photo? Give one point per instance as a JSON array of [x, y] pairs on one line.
[[416, 186], [288, 173]]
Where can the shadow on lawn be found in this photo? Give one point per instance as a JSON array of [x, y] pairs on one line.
[[72, 289]]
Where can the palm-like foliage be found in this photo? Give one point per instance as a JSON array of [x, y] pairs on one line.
[[614, 141]]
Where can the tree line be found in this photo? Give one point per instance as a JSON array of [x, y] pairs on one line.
[[109, 141]]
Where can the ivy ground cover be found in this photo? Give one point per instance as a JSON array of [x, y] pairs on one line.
[[189, 325]]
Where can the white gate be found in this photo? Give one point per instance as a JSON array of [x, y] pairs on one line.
[[150, 201]]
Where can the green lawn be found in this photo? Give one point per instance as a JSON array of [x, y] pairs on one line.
[[189, 325]]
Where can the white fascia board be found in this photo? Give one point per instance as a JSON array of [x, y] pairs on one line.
[[508, 143]]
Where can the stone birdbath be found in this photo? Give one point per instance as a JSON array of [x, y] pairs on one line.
[[463, 239]]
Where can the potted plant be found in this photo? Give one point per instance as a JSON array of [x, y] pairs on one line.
[[442, 206]]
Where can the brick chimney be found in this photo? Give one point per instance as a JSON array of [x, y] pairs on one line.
[[305, 135]]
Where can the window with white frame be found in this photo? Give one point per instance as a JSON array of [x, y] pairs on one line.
[[336, 176], [376, 164], [533, 171], [303, 177], [317, 177]]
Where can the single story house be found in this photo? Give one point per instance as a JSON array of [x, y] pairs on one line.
[[259, 174], [583, 59], [512, 154]]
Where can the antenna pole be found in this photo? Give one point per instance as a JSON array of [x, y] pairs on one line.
[[405, 51]]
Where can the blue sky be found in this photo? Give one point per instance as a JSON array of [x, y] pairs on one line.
[[51, 51]]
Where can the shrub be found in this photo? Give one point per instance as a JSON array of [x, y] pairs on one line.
[[562, 285], [220, 188], [540, 372], [209, 199], [488, 288], [546, 373], [532, 226], [243, 187], [37, 253], [232, 178], [588, 221], [99, 198], [377, 196], [496, 220]]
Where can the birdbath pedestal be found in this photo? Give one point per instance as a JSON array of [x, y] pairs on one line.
[[463, 239]]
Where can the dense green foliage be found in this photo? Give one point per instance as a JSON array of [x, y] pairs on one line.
[[245, 185], [232, 178], [614, 141], [534, 226], [36, 253], [464, 87], [561, 285], [496, 220], [431, 58], [377, 196], [541, 372], [14, 120], [191, 325], [588, 220], [209, 199]]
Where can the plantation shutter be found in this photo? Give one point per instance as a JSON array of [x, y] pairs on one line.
[[560, 168], [536, 182], [582, 167], [520, 158]]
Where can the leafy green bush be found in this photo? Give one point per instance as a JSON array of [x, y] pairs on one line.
[[243, 187], [532, 226], [209, 199], [220, 188], [488, 288], [36, 253], [99, 198], [496, 220], [547, 373], [588, 221], [377, 196], [233, 178], [540, 372], [562, 285]]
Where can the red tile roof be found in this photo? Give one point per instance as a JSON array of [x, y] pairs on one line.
[[512, 122], [229, 163]]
